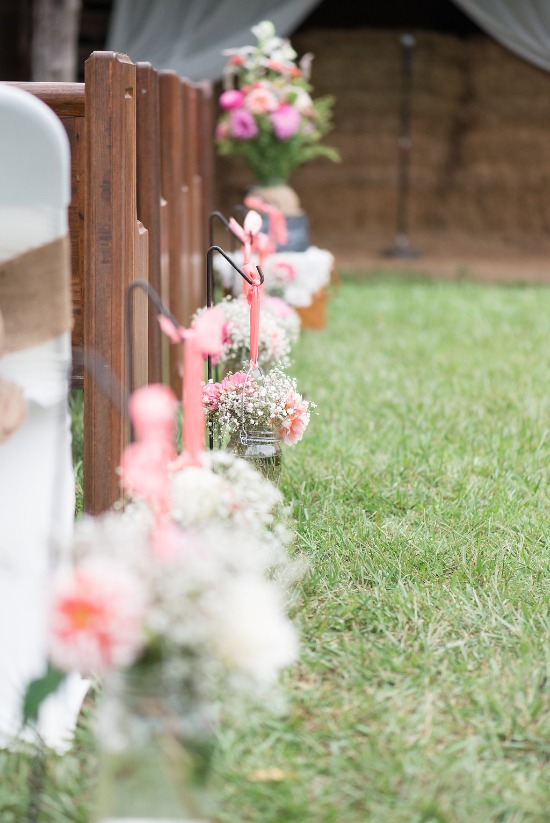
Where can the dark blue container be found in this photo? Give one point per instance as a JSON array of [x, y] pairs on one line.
[[297, 227]]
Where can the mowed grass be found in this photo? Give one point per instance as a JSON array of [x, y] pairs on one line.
[[421, 502], [421, 499]]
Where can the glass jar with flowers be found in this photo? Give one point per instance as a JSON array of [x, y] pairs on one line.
[[252, 414], [168, 605], [270, 119]]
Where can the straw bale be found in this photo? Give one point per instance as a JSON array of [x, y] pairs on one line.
[[480, 158]]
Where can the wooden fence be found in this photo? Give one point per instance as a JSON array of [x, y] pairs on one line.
[[142, 177]]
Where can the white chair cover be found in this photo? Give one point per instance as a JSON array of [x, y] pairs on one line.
[[36, 475]]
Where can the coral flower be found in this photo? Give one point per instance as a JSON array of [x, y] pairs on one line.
[[261, 101], [211, 395], [286, 121], [295, 423], [96, 617], [242, 124]]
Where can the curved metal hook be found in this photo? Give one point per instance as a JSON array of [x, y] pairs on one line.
[[240, 209], [155, 299], [218, 215], [210, 284]]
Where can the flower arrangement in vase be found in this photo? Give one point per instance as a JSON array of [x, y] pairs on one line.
[[177, 603], [254, 413], [269, 117], [279, 330]]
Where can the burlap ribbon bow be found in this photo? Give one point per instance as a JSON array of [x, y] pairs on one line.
[[36, 305]]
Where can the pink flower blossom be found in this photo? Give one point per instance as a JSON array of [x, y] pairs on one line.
[[286, 121], [261, 101], [96, 617], [242, 124], [211, 395], [278, 306], [238, 381], [231, 99], [222, 130], [284, 271], [296, 420]]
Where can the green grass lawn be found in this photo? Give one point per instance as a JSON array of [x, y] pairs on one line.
[[421, 500]]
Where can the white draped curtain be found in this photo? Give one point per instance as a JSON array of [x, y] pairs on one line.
[[523, 26], [189, 36]]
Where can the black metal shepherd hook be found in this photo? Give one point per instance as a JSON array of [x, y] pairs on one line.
[[210, 283], [210, 293], [217, 215], [155, 299]]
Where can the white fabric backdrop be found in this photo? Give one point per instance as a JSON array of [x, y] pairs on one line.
[[523, 26], [188, 36]]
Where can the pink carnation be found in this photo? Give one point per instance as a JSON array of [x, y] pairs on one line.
[[242, 124], [211, 395], [286, 121], [236, 382], [96, 617], [261, 101], [231, 99], [278, 306], [296, 420]]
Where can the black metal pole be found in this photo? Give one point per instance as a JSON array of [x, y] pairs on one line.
[[402, 247], [210, 293]]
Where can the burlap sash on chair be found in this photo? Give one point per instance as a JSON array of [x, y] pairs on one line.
[[35, 295], [35, 306]]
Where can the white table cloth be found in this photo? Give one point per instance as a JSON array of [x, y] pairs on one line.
[[295, 276]]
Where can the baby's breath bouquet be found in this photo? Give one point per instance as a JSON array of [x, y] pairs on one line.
[[246, 402], [279, 330], [268, 115]]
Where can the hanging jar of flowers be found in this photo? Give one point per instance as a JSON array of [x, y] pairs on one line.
[[270, 119], [253, 415]]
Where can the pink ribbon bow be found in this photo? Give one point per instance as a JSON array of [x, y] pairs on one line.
[[203, 338], [253, 298], [277, 220]]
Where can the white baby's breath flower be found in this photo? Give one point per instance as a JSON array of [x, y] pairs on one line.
[[254, 634]]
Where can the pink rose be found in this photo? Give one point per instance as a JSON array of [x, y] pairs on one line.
[[286, 121], [231, 99]]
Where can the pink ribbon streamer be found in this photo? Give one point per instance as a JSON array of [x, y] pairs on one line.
[[248, 235], [277, 221], [253, 298], [203, 338]]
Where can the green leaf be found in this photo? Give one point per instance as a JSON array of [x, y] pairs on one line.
[[38, 690]]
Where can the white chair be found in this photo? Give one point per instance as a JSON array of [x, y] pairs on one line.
[[36, 475]]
